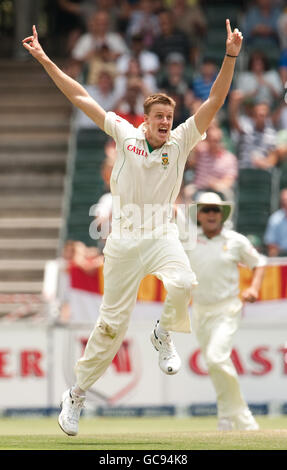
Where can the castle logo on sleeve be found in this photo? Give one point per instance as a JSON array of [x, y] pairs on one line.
[[164, 160]]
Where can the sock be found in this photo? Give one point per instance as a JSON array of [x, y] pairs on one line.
[[161, 331], [77, 391]]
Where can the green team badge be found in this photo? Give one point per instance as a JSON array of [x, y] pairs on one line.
[[164, 160]]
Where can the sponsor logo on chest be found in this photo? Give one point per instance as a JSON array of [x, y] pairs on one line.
[[138, 151]]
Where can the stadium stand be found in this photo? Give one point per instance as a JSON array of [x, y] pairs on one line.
[[257, 197], [34, 131], [86, 185], [216, 34]]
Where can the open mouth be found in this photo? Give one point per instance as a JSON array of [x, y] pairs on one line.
[[163, 131]]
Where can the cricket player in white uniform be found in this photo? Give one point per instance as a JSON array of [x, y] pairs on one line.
[[216, 306], [147, 175]]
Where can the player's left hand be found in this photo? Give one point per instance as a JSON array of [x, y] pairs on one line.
[[233, 41], [250, 295]]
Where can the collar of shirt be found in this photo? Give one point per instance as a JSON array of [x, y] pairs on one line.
[[223, 233], [140, 134]]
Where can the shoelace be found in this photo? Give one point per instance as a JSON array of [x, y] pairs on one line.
[[167, 346], [75, 409]]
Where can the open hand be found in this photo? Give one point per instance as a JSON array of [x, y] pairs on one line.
[[33, 46], [233, 41]]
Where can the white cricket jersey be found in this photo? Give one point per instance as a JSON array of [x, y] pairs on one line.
[[150, 181], [215, 263]]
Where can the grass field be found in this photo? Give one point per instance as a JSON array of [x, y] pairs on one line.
[[163, 433]]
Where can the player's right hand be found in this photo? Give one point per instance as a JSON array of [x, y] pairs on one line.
[[33, 46]]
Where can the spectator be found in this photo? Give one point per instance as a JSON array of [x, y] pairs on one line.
[[275, 237], [215, 168], [90, 43], [66, 25], [103, 61], [279, 116], [86, 260], [130, 105], [282, 29], [181, 111], [260, 24], [174, 77], [143, 21], [146, 82], [202, 84], [282, 66], [105, 93], [259, 84], [190, 19], [281, 149], [148, 60], [85, 9], [73, 253], [171, 39], [255, 136]]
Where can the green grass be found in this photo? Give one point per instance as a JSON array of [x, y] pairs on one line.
[[163, 433]]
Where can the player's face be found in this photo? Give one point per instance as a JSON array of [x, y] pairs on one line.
[[158, 124], [210, 218]]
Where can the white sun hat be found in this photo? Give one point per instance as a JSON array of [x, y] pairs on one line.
[[213, 199]]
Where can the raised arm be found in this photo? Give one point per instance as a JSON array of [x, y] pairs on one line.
[[220, 88], [75, 92]]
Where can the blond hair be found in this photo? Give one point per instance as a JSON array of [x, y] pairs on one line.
[[158, 98]]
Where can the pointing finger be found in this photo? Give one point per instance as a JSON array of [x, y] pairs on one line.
[[35, 34], [228, 29]]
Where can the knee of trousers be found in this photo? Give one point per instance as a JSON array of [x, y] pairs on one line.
[[109, 329], [181, 283], [216, 360]]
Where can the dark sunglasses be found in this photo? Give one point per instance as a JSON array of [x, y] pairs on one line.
[[207, 209]]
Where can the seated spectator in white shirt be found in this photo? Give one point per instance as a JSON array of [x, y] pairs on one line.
[[259, 83], [98, 35], [105, 93], [148, 60]]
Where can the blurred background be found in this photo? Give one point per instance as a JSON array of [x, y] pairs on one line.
[[55, 166]]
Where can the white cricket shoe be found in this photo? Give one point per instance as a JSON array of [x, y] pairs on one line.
[[244, 421], [225, 424], [71, 410], [169, 361]]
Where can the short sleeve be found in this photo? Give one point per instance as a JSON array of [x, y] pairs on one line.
[[117, 127], [249, 255], [187, 135]]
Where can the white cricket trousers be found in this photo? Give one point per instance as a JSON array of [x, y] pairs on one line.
[[126, 263], [215, 326]]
